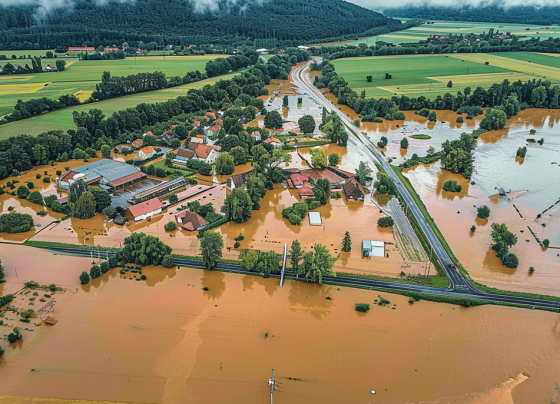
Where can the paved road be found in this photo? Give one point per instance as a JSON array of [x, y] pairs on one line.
[[458, 284], [342, 280]]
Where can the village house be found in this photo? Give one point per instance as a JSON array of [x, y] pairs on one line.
[[183, 155], [256, 136], [353, 190], [299, 180], [144, 210], [148, 133], [213, 130], [146, 152], [275, 142], [334, 179], [211, 114], [306, 192], [138, 143], [237, 180], [49, 68], [190, 221], [205, 153]]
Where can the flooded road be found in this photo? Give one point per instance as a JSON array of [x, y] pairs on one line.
[[167, 340]]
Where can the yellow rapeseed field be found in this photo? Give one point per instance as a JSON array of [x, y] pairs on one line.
[[533, 69], [23, 88]]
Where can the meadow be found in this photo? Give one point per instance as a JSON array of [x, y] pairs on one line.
[[62, 119], [81, 76], [428, 75], [422, 32]]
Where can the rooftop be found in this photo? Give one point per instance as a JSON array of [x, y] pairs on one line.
[[145, 207], [315, 219], [327, 174], [109, 169]]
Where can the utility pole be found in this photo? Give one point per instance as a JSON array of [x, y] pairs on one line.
[[556, 391], [272, 385]]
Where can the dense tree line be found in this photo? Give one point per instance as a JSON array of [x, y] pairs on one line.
[[177, 22], [459, 43], [27, 109], [540, 15]]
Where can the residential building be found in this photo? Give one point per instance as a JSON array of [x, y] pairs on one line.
[[211, 114], [237, 180], [213, 130], [274, 142], [206, 153], [335, 180], [148, 133], [184, 155], [146, 152], [190, 221], [144, 210], [353, 189], [262, 51], [299, 180], [105, 173], [138, 143], [306, 192], [256, 136], [373, 248]]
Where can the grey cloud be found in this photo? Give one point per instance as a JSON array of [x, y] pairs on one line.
[[45, 7], [385, 5], [202, 6]]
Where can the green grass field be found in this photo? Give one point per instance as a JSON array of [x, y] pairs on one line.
[[83, 75], [457, 27], [428, 75], [63, 119]]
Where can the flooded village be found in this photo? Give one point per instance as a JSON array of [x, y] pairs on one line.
[[182, 334]]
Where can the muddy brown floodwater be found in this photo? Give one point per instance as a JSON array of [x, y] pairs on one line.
[[166, 340], [533, 184]]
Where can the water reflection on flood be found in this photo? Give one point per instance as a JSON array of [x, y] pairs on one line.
[[174, 342]]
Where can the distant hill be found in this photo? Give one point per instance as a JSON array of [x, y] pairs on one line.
[[545, 15], [284, 22]]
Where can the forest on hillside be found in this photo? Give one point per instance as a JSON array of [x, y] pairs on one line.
[[177, 22], [544, 15]]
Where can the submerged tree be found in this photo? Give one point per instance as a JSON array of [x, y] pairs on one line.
[[211, 245], [346, 243]]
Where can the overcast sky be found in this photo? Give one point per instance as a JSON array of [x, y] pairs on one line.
[[384, 4]]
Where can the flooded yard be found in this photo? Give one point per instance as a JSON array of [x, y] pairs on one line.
[[166, 340]]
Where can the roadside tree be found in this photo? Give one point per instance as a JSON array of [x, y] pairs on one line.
[[211, 245]]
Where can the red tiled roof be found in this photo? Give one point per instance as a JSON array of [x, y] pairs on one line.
[[167, 132], [327, 174], [202, 151], [298, 179], [272, 139], [353, 188], [185, 153], [306, 190], [349, 174], [138, 143], [149, 133], [219, 121], [147, 149], [214, 129], [127, 178], [145, 207], [196, 123], [212, 114], [191, 221]]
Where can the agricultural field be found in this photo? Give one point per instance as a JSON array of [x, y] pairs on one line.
[[428, 75], [422, 32], [62, 119], [81, 76]]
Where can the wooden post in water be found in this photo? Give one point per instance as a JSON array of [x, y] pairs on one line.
[[284, 264]]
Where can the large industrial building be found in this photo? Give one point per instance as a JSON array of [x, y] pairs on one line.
[[106, 174]]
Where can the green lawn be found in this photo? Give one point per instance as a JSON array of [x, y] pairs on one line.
[[412, 75], [538, 58], [63, 119], [83, 75]]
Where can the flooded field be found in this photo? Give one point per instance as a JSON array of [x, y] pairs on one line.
[[166, 340], [532, 182]]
